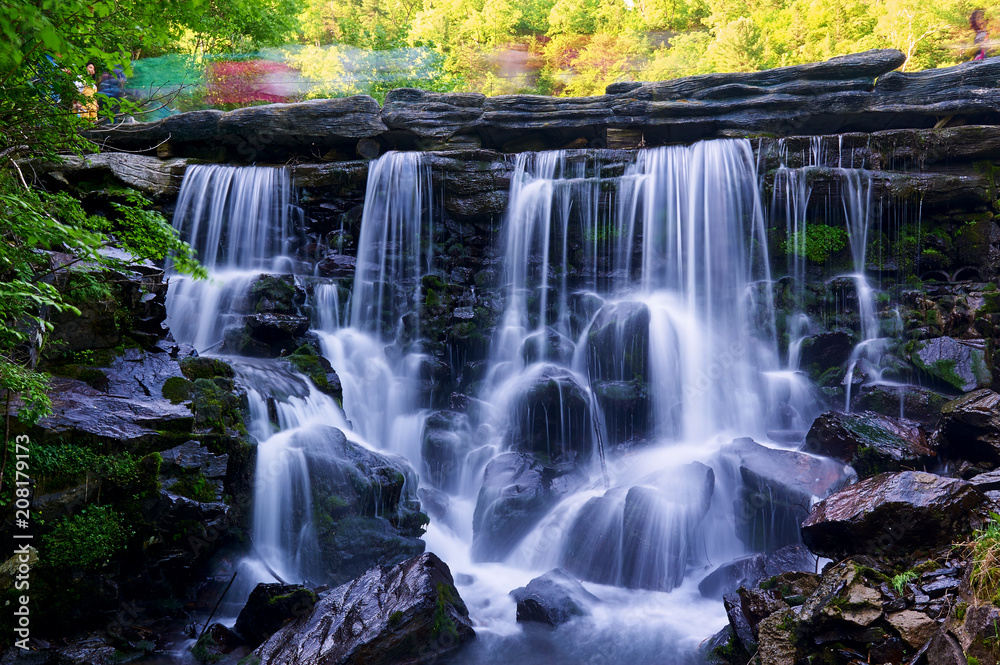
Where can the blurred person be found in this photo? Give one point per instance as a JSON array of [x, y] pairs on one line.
[[978, 24]]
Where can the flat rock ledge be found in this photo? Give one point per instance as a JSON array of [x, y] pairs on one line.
[[853, 93]]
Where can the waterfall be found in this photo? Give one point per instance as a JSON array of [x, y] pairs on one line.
[[262, 240], [637, 339], [243, 224], [395, 248]]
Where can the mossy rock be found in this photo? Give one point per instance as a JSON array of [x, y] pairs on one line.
[[197, 487], [205, 368], [269, 607], [276, 294], [318, 369], [177, 389], [215, 406]]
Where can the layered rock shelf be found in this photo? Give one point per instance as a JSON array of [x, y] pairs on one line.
[[856, 93]]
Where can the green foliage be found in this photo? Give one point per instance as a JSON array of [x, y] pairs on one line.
[[899, 582], [86, 540], [985, 553], [195, 486], [34, 283], [818, 243]]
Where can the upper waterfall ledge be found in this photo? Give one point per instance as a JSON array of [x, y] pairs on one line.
[[854, 93]]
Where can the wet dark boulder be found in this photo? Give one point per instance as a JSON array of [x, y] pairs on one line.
[[434, 502], [659, 526], [336, 265], [969, 428], [777, 489], [444, 445], [86, 414], [627, 408], [306, 360], [821, 352], [407, 613], [270, 607], [913, 402], [266, 335], [641, 537], [275, 294], [750, 571], [618, 342], [516, 492], [869, 442], [552, 417], [553, 598], [191, 531], [363, 508], [892, 514]]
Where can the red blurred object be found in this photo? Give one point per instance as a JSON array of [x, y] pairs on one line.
[[242, 82]]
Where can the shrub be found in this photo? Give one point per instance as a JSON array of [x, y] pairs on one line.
[[88, 539], [819, 243], [985, 551]]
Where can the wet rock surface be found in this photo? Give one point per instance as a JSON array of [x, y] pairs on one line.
[[408, 613], [870, 443], [777, 488], [750, 571], [553, 598], [891, 514], [270, 607], [516, 492], [957, 364], [363, 511], [969, 428]]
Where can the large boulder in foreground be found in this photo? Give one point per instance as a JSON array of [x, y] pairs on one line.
[[969, 428], [892, 514], [869, 442], [553, 598], [409, 613]]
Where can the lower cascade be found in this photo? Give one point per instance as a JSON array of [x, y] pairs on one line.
[[608, 412]]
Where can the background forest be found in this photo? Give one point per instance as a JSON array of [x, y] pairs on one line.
[[293, 49]]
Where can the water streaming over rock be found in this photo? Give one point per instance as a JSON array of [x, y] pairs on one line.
[[637, 340], [234, 253]]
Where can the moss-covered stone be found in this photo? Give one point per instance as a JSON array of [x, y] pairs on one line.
[[177, 389], [318, 369], [195, 486], [275, 294], [205, 368], [216, 407]]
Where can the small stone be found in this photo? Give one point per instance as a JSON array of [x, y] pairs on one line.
[[463, 313], [914, 627], [940, 587]]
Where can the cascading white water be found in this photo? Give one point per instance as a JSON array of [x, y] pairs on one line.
[[242, 223], [638, 321], [395, 248], [854, 200], [233, 253]]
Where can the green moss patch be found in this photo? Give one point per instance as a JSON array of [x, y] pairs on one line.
[[177, 389], [206, 368]]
